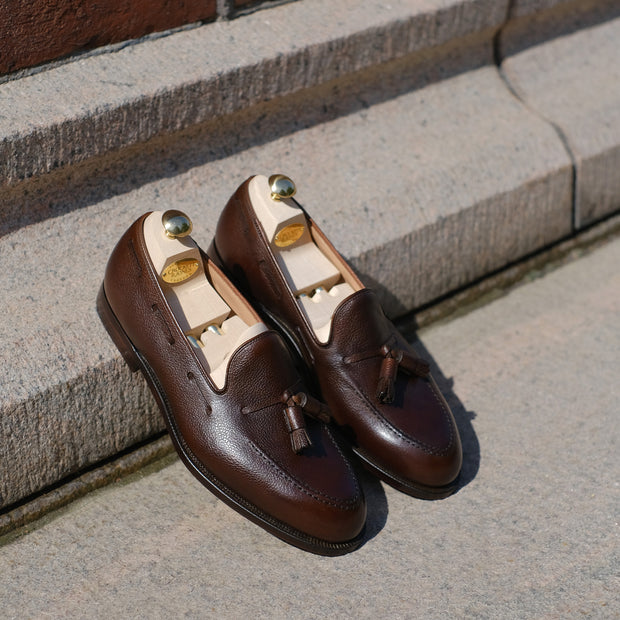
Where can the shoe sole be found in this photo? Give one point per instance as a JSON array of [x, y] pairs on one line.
[[285, 532], [406, 486]]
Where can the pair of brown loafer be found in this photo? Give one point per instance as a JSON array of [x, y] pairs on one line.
[[239, 413]]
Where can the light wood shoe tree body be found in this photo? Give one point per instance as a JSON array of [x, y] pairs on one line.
[[313, 276], [215, 328]]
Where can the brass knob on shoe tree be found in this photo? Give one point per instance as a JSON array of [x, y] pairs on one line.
[[176, 224], [281, 187]]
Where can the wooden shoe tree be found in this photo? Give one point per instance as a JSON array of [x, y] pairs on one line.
[[308, 265], [215, 328]]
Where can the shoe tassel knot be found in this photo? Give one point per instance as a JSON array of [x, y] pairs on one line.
[[392, 361], [296, 405]]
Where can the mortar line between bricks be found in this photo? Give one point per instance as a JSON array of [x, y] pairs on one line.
[[224, 9]]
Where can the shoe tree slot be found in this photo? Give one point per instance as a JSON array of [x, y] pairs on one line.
[[316, 282], [209, 323]]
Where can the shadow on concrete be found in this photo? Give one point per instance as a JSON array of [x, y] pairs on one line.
[[376, 503], [463, 417], [558, 19]]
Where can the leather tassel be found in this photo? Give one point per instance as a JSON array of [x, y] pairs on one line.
[[300, 440], [312, 407], [387, 377], [385, 390], [297, 428]]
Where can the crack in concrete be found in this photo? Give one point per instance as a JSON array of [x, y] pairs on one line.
[[498, 58]]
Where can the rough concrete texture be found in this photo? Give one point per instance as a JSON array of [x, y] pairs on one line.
[[423, 191], [574, 82], [104, 102], [447, 144], [532, 532], [522, 8], [532, 22], [67, 400], [78, 486]]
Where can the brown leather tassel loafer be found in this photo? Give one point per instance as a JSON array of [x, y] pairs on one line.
[[379, 392], [228, 389]]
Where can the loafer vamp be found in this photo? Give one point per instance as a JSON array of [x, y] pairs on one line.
[[245, 441], [417, 412], [405, 438], [235, 439], [413, 438], [415, 434]]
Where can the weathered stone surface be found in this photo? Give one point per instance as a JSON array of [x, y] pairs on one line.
[[532, 533], [574, 82], [444, 185], [93, 105], [532, 22], [102, 474], [521, 8], [423, 191], [426, 177], [65, 401]]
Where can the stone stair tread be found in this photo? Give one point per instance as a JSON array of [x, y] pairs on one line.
[[531, 528], [101, 102], [573, 81], [404, 152]]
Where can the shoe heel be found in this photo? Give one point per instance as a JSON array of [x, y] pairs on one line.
[[117, 334]]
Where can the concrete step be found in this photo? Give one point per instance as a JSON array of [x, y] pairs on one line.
[[573, 81], [108, 101], [395, 186], [532, 532], [404, 139]]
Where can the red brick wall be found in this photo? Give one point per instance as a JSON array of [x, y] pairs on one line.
[[37, 31]]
